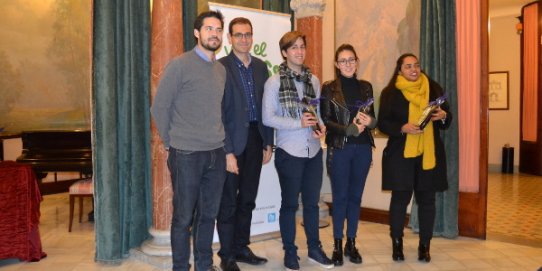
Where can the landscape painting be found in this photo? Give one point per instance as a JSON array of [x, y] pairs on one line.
[[45, 65], [380, 31]]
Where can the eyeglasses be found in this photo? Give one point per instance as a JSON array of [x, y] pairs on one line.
[[351, 61], [247, 35]]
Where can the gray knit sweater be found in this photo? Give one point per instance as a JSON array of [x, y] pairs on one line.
[[187, 108]]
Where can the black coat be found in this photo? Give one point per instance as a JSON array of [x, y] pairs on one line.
[[335, 112], [398, 172], [235, 106]]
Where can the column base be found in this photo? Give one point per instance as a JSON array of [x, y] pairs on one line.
[[155, 251], [159, 244], [161, 262]]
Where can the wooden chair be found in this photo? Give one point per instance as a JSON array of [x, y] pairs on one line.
[[80, 189]]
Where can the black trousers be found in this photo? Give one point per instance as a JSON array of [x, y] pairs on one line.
[[239, 198], [426, 213]]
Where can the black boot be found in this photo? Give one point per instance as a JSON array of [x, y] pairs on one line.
[[351, 251], [397, 244], [337, 256], [423, 252]]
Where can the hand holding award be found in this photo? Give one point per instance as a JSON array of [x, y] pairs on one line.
[[309, 106], [365, 107], [429, 110]]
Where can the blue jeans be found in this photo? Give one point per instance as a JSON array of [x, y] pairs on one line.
[[299, 175], [197, 178], [348, 169]]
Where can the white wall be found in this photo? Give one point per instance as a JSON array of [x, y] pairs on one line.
[[504, 55], [12, 148]]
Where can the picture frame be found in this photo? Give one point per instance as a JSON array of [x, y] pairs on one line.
[[498, 95]]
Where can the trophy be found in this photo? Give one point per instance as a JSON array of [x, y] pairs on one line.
[[309, 106], [364, 107], [429, 110]]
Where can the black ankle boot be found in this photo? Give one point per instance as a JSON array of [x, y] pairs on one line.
[[423, 252], [397, 244], [351, 251], [337, 257]]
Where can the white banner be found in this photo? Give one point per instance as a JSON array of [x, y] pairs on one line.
[[267, 28]]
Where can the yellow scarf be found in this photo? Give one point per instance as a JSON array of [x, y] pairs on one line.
[[417, 94]]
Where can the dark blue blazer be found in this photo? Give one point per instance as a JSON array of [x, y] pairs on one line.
[[235, 105]]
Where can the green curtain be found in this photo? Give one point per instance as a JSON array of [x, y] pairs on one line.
[[276, 5], [282, 6], [190, 12], [121, 126], [437, 56]]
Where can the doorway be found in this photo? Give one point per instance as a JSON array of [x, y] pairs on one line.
[[514, 205]]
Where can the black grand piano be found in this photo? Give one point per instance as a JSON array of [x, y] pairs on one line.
[[57, 151]]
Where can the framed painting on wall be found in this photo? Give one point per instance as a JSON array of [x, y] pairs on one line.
[[498, 90]]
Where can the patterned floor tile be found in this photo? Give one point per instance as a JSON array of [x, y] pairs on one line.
[[514, 212]]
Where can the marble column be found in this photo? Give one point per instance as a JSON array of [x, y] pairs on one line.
[[308, 14], [166, 43]]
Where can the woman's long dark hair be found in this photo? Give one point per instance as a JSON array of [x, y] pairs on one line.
[[398, 64], [344, 47]]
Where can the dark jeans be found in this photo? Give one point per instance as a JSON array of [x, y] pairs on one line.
[[299, 175], [197, 178], [348, 172], [426, 213], [239, 198]]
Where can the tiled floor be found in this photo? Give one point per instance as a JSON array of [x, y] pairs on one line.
[[75, 250], [514, 212]]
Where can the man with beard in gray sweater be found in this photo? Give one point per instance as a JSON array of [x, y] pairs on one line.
[[187, 111]]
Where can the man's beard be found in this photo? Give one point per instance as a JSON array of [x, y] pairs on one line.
[[210, 47]]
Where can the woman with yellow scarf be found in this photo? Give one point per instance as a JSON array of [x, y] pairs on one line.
[[414, 160]]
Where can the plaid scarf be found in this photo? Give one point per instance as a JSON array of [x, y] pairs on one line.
[[288, 97]]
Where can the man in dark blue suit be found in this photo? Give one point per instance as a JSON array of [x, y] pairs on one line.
[[248, 146]]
